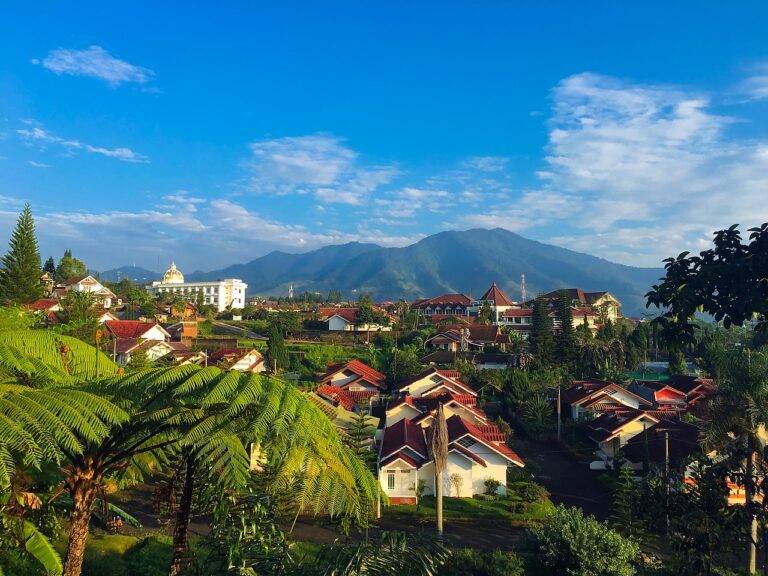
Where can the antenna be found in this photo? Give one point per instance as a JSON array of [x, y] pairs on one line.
[[523, 295], [290, 291]]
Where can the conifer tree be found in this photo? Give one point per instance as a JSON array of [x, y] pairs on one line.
[[20, 273], [541, 339], [565, 340], [69, 267], [276, 352], [50, 267], [359, 438], [623, 499]]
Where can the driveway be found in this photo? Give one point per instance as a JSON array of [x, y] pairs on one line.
[[569, 481]]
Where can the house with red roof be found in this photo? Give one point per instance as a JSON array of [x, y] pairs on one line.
[[238, 359], [343, 319], [612, 430], [125, 329], [124, 348], [477, 448], [91, 285], [443, 306], [354, 375], [475, 454], [497, 300], [475, 337], [596, 397]]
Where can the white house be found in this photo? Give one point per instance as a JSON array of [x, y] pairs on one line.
[[90, 285], [598, 397], [344, 319], [223, 294], [239, 359]]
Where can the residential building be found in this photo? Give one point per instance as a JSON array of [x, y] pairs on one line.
[[474, 337], [355, 376], [612, 430], [223, 294], [238, 359], [498, 301], [445, 305], [136, 329], [602, 303], [596, 397], [344, 319], [477, 449], [91, 285]]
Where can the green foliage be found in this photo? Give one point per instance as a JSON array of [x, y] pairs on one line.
[[491, 486], [16, 318], [359, 438], [541, 339], [277, 354], [79, 316], [20, 271], [387, 554], [677, 363], [401, 364], [566, 350], [528, 491], [69, 267], [727, 281], [573, 544], [485, 315], [139, 361], [470, 562], [622, 508], [50, 267]]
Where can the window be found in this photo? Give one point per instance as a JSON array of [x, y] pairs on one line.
[[466, 442], [391, 480]]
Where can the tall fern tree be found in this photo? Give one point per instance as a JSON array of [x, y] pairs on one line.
[[20, 272], [98, 424]]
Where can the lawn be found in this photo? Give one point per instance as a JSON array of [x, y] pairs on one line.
[[509, 511]]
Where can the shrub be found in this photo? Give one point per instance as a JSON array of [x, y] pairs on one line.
[[491, 486], [150, 557], [469, 562], [529, 491], [571, 543]]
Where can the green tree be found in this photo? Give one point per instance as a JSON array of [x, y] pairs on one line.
[[139, 361], [50, 267], [20, 272], [69, 267], [277, 354], [485, 315], [359, 438], [541, 339], [566, 349], [677, 363], [570, 544], [622, 508]]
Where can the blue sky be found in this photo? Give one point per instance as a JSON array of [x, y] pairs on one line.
[[211, 135]]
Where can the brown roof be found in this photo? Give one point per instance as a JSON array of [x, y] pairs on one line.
[[403, 434], [495, 295], [365, 372], [443, 300]]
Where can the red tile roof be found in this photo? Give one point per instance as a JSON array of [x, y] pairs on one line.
[[129, 328], [403, 434], [400, 455], [43, 304], [458, 427], [365, 372], [497, 296], [517, 313]]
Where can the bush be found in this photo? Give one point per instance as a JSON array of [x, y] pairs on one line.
[[528, 491], [150, 557], [571, 543], [491, 486], [469, 562]]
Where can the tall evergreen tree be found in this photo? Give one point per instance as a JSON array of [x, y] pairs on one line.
[[565, 339], [359, 438], [20, 273], [623, 500], [541, 339], [276, 351], [69, 267], [50, 267]]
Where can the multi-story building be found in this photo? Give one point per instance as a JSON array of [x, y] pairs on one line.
[[223, 294]]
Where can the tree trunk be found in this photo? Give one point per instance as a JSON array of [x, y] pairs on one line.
[[181, 526], [749, 493], [439, 502], [83, 491]]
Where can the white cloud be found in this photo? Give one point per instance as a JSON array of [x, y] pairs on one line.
[[38, 164], [35, 135], [486, 163], [755, 86], [318, 164], [95, 62]]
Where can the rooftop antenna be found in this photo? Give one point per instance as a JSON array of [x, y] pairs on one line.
[[523, 294], [290, 291]]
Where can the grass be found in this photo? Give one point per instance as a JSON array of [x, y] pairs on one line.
[[509, 510]]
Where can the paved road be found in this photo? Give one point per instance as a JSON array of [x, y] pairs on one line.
[[238, 331], [568, 480]]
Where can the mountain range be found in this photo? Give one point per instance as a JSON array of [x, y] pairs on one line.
[[455, 261]]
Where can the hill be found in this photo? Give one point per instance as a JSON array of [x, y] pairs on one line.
[[136, 273], [455, 261]]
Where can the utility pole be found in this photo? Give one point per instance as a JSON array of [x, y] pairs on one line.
[[666, 478], [559, 409]]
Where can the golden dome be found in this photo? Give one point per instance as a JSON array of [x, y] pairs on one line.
[[173, 275]]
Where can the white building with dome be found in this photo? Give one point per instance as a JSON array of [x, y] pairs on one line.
[[223, 294]]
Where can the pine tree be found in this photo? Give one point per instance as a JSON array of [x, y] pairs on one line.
[[20, 273], [69, 267], [276, 351], [360, 437], [677, 364], [623, 499], [50, 267], [541, 339], [565, 340]]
